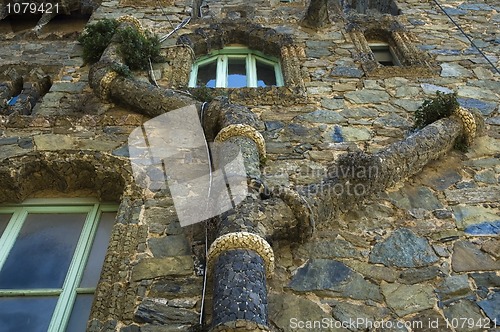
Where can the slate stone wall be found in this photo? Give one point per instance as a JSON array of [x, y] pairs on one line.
[[422, 251]]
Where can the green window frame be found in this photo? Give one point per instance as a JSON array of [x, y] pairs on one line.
[[44, 216], [222, 58]]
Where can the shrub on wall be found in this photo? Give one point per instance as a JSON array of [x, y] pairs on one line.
[[135, 47], [441, 106], [138, 48], [95, 38]]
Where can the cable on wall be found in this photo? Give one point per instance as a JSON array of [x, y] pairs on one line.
[[466, 36]]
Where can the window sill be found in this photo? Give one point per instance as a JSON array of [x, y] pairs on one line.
[[272, 95]]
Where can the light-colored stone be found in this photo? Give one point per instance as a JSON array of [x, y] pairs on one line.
[[408, 299]]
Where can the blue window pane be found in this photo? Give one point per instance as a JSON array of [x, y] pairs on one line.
[[4, 220], [42, 252], [80, 313], [236, 73], [99, 248], [207, 74], [265, 74], [26, 314]]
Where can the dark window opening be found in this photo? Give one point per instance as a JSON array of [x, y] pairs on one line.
[[207, 74], [384, 54], [266, 75]]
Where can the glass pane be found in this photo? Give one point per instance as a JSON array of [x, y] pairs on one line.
[[98, 252], [236, 73], [4, 220], [42, 252], [26, 314], [265, 74], [80, 313], [207, 74]]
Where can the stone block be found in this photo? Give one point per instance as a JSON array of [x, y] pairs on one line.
[[151, 268], [406, 299]]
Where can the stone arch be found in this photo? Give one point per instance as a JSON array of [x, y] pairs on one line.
[[256, 37], [106, 176], [217, 35]]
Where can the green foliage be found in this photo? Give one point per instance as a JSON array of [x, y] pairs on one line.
[[95, 38], [137, 48], [120, 69], [441, 106]]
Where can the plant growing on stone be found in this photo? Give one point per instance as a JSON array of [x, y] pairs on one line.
[[135, 47], [138, 48], [441, 106], [95, 38]]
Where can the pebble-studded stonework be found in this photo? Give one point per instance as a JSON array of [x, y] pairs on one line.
[[469, 122], [132, 20], [105, 84], [239, 288], [245, 131], [242, 240]]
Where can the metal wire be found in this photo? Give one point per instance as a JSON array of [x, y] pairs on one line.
[[466, 36]]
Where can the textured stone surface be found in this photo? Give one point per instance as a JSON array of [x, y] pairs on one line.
[[239, 288], [337, 248], [403, 249], [404, 299], [323, 276], [323, 116], [414, 276], [453, 287], [491, 306], [467, 257], [466, 310], [347, 312], [366, 96], [150, 268], [283, 308], [158, 312], [173, 245]]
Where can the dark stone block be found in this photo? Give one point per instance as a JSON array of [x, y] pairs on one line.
[[403, 249], [484, 107], [491, 306], [154, 310], [347, 72]]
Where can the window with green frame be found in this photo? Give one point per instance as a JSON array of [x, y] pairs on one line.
[[236, 67], [51, 256]]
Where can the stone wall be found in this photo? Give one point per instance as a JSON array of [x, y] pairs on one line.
[[422, 251]]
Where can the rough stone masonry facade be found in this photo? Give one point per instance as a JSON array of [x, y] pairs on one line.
[[421, 246]]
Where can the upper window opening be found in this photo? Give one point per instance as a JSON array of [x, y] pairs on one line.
[[50, 262], [383, 53], [236, 67]]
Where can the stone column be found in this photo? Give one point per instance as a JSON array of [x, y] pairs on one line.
[[240, 262]]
